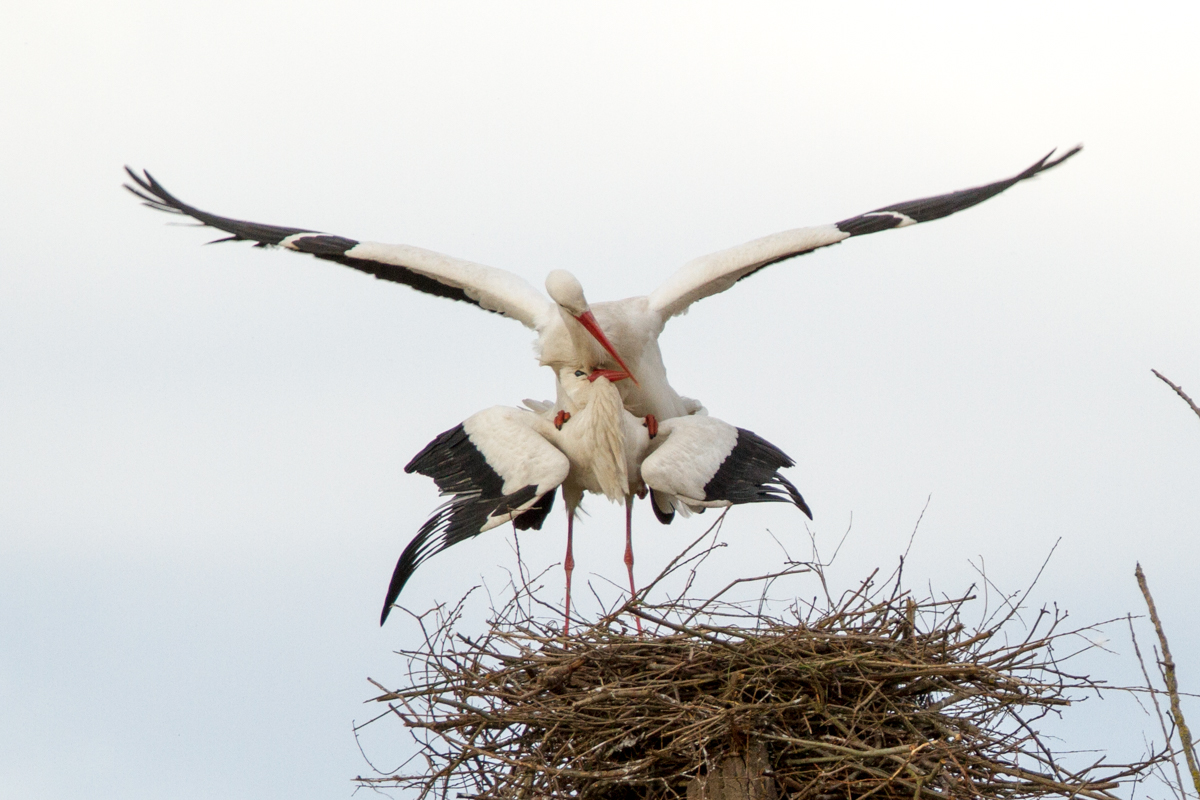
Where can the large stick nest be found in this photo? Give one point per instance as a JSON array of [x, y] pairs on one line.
[[872, 694]]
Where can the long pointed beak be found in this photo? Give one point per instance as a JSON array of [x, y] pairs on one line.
[[613, 375], [589, 323]]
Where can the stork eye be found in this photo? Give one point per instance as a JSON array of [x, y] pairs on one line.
[[579, 373]]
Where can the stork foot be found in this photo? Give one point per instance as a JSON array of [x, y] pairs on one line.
[[651, 425], [561, 418]]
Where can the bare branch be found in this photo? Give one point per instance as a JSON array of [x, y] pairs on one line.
[[1168, 671], [1179, 391]]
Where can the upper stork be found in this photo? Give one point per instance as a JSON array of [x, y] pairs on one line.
[[566, 321]]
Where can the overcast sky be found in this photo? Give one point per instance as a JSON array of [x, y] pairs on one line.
[[201, 448]]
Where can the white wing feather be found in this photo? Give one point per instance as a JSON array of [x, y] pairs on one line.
[[691, 451], [510, 442], [494, 289], [716, 272]]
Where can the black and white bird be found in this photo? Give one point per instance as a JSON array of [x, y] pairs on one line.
[[565, 321], [506, 463]]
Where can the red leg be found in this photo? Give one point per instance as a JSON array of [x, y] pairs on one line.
[[568, 567], [629, 553]]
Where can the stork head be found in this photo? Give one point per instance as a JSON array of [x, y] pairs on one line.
[[565, 290], [580, 383]]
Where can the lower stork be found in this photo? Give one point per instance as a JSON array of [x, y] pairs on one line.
[[505, 464]]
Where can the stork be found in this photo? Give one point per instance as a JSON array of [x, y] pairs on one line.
[[505, 464], [632, 325]]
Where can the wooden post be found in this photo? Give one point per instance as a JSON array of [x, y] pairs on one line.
[[738, 778]]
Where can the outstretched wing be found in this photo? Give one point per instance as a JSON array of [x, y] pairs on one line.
[[498, 467], [718, 271], [705, 462], [424, 270]]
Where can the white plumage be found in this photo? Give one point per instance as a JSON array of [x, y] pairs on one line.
[[632, 326]]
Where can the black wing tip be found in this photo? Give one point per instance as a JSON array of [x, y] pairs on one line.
[[152, 193], [664, 517], [138, 179], [927, 209], [750, 474], [1070, 152], [794, 496], [333, 248], [534, 516], [147, 183], [145, 179], [407, 564], [400, 577], [431, 455], [155, 195], [454, 521], [1048, 161], [778, 489]]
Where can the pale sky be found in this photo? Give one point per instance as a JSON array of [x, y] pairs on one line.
[[201, 448]]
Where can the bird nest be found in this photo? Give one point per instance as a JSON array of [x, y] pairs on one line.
[[873, 694]]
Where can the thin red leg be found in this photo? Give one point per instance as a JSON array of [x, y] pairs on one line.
[[568, 567], [629, 553]]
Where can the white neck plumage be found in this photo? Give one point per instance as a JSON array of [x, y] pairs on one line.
[[606, 432]]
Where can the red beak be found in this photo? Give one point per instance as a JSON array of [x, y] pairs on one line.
[[589, 323], [613, 375]]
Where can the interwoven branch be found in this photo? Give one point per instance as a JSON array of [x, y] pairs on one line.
[[877, 694]]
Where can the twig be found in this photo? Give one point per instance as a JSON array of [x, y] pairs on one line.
[[1162, 722], [1179, 391]]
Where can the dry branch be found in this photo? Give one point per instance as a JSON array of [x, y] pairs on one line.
[[1179, 391], [1168, 673]]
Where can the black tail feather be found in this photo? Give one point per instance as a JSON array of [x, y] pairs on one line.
[[750, 474]]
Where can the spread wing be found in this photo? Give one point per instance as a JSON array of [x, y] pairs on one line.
[[497, 467], [424, 270], [718, 271]]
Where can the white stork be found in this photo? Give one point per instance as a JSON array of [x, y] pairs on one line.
[[632, 325], [506, 463]]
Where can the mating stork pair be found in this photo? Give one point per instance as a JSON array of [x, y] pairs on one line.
[[616, 427]]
